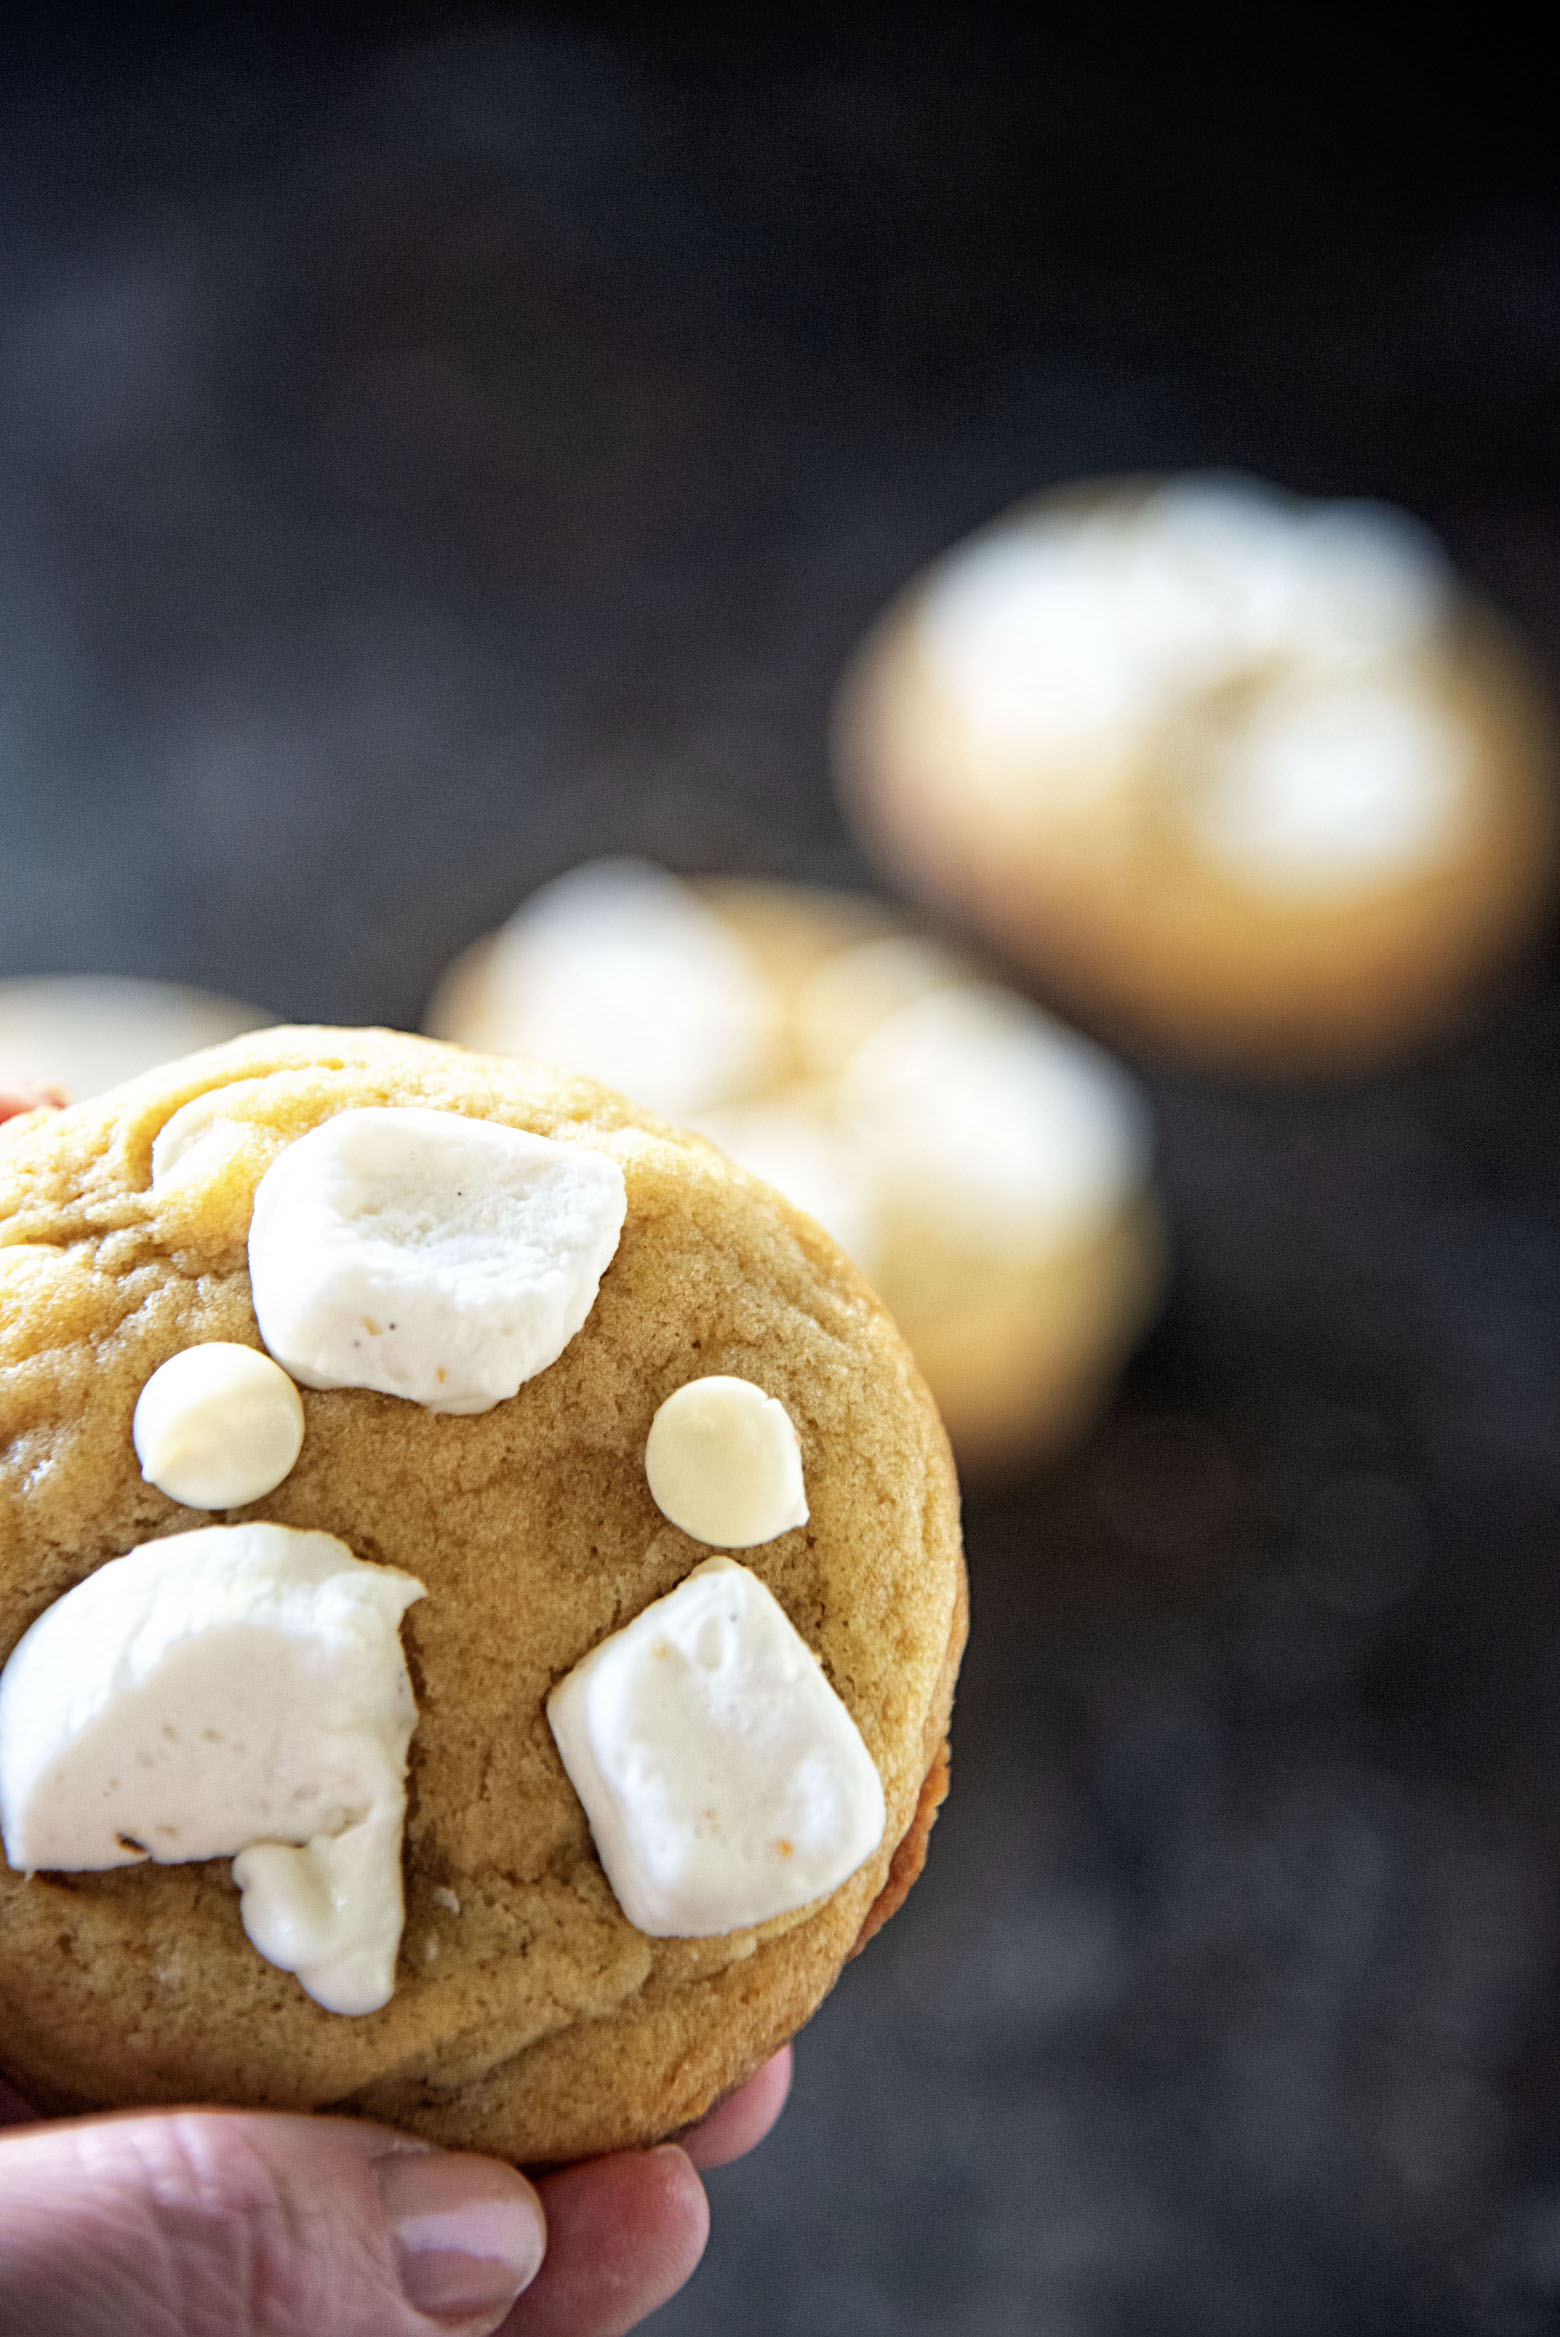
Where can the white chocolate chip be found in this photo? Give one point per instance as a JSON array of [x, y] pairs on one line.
[[992, 1126], [724, 1780], [429, 1256], [236, 1691], [201, 1134], [722, 1462], [217, 1425], [619, 971]]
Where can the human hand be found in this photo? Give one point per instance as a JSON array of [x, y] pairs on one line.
[[232, 2223]]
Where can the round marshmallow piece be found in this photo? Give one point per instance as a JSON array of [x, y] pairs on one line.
[[429, 1256], [217, 1425], [723, 1463]]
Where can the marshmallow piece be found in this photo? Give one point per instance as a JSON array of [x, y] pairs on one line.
[[217, 1425], [429, 1256], [239, 1689], [1336, 791], [991, 1125], [1369, 585], [722, 1462], [845, 998], [810, 1163], [1023, 630], [1222, 574], [621, 972], [1072, 632], [723, 1778]]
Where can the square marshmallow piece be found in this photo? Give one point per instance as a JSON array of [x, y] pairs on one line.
[[723, 1778]]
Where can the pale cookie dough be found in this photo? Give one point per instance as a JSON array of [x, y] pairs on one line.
[[1245, 776], [529, 2015], [988, 1169]]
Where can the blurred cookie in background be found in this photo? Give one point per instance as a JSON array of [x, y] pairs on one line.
[[1245, 776], [987, 1168], [81, 1033]]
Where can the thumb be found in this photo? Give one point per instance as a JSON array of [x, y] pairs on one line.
[[203, 2223]]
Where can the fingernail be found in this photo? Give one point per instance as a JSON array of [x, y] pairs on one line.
[[469, 2232]]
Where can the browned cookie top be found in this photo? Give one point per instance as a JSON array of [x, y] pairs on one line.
[[529, 2015]]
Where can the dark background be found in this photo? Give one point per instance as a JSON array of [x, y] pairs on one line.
[[440, 446]]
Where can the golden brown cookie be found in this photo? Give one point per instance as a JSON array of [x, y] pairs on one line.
[[529, 2017], [1246, 777]]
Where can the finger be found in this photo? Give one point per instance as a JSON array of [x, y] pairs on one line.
[[203, 2223], [742, 2122], [623, 2234], [29, 1099]]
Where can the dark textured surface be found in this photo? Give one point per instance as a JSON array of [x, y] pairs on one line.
[[431, 455]]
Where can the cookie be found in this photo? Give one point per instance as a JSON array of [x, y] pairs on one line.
[[487, 1553], [87, 1032], [986, 1168], [1244, 777]]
